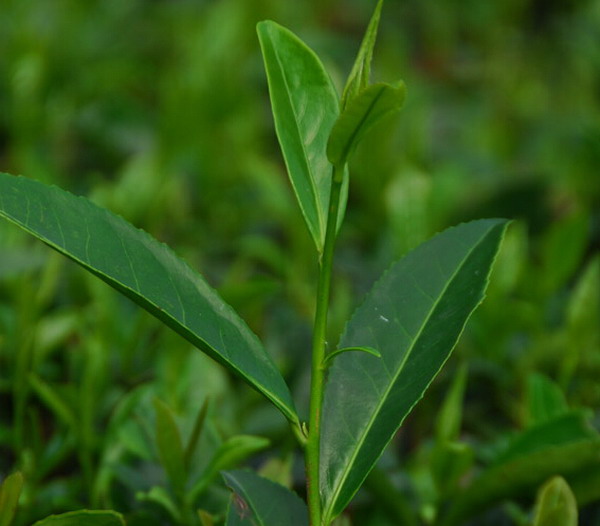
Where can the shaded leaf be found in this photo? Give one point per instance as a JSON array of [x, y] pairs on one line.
[[555, 505], [170, 447], [147, 272], [257, 501], [10, 490], [337, 352], [84, 518], [545, 399], [305, 107], [362, 113], [413, 316], [361, 69], [449, 419]]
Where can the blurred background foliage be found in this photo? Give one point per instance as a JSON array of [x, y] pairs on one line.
[[159, 111]]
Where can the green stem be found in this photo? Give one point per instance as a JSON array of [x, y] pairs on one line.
[[319, 344]]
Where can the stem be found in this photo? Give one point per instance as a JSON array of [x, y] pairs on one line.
[[319, 344]]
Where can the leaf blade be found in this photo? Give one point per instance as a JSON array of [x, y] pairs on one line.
[[556, 504], [259, 502], [87, 517], [365, 399], [305, 107], [147, 272]]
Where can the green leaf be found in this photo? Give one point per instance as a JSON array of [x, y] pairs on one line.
[[170, 447], [10, 490], [257, 501], [449, 419], [545, 399], [368, 350], [358, 79], [305, 107], [555, 505], [362, 113], [414, 315], [233, 451], [147, 272], [84, 518]]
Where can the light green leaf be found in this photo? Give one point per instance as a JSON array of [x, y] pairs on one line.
[[414, 315], [449, 419], [233, 451], [545, 399], [305, 106], [147, 272], [555, 505], [10, 490], [84, 518], [362, 113], [257, 501], [170, 447], [359, 76]]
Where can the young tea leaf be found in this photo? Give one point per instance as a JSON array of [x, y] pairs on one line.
[[257, 501], [10, 490], [87, 517], [556, 505], [358, 79], [365, 110], [413, 315], [147, 272], [305, 107]]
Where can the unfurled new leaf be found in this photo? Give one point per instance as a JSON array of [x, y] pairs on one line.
[[413, 316], [361, 113], [147, 272], [257, 501], [10, 490], [305, 106], [556, 505]]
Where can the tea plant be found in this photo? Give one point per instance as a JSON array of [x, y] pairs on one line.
[[390, 351]]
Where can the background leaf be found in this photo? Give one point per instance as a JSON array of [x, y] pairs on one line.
[[413, 315], [146, 271], [362, 113], [10, 490], [260, 502], [84, 518], [305, 106], [556, 505]]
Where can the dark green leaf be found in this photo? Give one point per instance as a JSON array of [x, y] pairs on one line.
[[305, 106], [556, 505], [170, 447], [257, 501], [10, 490], [358, 79], [545, 399], [413, 316], [362, 113], [83, 518], [146, 271]]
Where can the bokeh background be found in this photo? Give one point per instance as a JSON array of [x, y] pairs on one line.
[[159, 111]]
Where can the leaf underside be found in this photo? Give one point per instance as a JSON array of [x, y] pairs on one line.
[[414, 315], [258, 501], [305, 106], [146, 271]]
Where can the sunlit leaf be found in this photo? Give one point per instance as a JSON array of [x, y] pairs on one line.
[[413, 316], [555, 505], [10, 490], [146, 271]]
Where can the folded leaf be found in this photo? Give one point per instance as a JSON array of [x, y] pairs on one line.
[[361, 113], [413, 316], [305, 106], [361, 70], [147, 272], [556, 505], [84, 517], [257, 501]]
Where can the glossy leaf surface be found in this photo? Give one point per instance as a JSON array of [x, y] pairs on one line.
[[556, 505], [362, 113], [305, 106], [257, 501], [413, 315], [146, 271], [361, 70], [83, 518]]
